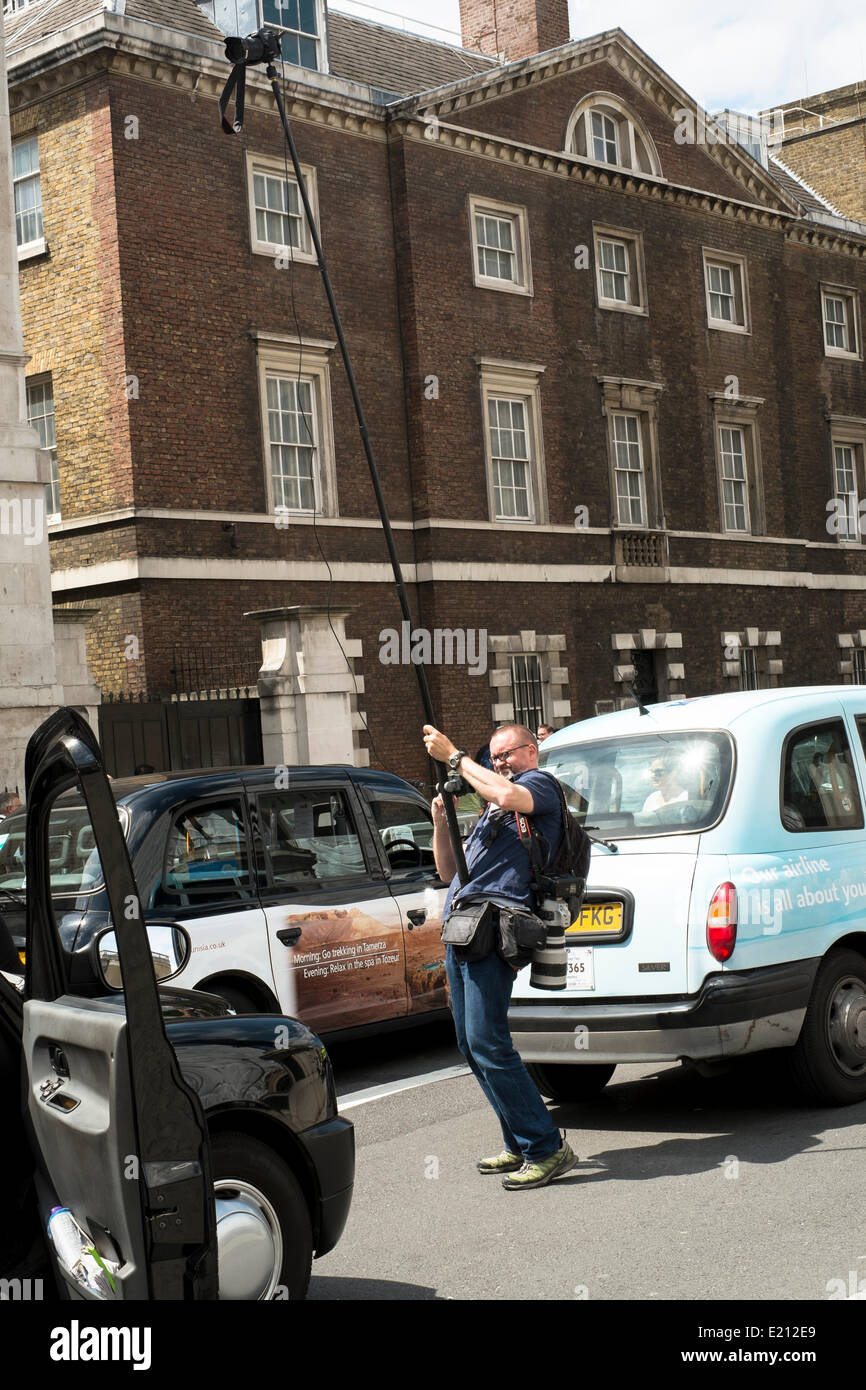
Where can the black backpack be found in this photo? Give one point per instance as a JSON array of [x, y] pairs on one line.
[[564, 874]]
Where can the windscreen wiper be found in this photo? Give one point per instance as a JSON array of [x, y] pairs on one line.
[[608, 844]]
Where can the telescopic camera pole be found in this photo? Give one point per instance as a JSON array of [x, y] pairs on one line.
[[265, 47]]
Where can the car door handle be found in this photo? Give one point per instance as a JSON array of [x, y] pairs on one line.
[[416, 916], [64, 1102], [289, 935]]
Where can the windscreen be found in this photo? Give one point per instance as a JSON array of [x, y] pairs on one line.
[[649, 785], [72, 854]]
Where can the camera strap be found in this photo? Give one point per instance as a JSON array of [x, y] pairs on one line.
[[536, 847], [237, 78]]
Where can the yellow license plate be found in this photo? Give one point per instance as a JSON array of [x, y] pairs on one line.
[[602, 918]]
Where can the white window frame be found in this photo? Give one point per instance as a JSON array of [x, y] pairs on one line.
[[274, 168], [318, 37], [737, 264], [515, 381], [610, 135], [45, 379], [852, 495], [740, 413], [307, 361], [36, 247], [848, 432], [633, 243], [250, 22], [723, 428], [851, 299], [516, 215], [622, 396], [623, 417]]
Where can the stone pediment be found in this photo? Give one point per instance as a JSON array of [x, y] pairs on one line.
[[694, 152]]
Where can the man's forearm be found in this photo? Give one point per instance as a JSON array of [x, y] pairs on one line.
[[443, 852], [510, 796]]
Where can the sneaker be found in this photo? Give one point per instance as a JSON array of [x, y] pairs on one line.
[[506, 1162], [544, 1171]]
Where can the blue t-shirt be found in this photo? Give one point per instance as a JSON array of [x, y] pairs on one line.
[[496, 858]]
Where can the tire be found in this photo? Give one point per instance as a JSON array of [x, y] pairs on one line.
[[264, 1232], [240, 1002], [828, 1063], [566, 1081]]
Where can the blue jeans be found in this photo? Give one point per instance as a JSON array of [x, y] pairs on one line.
[[480, 994]]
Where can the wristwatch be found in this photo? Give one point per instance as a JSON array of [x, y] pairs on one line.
[[454, 760]]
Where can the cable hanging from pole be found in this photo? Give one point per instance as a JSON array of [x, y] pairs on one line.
[[264, 47]]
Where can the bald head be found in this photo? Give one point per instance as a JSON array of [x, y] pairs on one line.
[[519, 731], [513, 749]]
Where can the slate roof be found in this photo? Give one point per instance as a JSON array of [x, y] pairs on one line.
[[396, 61], [808, 198], [46, 17], [389, 59]]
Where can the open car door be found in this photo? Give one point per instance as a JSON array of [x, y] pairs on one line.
[[120, 1138]]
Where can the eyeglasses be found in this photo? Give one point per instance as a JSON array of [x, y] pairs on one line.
[[657, 772], [501, 757]]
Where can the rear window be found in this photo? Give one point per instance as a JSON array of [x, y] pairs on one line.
[[649, 785], [819, 789], [72, 856]]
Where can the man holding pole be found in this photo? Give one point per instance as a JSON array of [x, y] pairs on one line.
[[499, 872]]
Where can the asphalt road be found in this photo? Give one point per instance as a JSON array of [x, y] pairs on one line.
[[687, 1188]]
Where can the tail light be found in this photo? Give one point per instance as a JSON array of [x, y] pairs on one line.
[[722, 922]]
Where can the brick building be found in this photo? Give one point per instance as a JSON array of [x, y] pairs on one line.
[[611, 363], [823, 139]]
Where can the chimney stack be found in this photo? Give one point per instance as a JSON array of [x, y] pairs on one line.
[[517, 28]]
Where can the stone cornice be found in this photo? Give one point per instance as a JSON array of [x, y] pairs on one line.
[[722, 399], [111, 44], [564, 165], [825, 239], [645, 76]]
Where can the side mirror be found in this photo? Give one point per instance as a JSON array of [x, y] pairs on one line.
[[170, 948]]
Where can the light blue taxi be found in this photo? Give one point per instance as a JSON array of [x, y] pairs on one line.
[[726, 903]]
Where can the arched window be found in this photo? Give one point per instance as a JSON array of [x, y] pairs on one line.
[[603, 130]]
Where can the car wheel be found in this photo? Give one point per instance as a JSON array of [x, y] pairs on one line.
[[264, 1235], [564, 1081], [828, 1063], [240, 1002]]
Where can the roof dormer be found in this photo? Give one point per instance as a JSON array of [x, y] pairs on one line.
[[301, 25]]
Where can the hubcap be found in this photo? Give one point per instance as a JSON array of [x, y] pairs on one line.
[[846, 1025], [249, 1241]]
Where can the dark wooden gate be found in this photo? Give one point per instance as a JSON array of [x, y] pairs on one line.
[[211, 718], [173, 734]]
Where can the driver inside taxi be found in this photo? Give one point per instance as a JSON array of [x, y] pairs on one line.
[[666, 784]]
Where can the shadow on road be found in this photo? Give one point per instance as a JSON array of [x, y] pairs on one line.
[[393, 1055], [746, 1114], [368, 1290]]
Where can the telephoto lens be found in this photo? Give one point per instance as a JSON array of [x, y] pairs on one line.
[[549, 965]]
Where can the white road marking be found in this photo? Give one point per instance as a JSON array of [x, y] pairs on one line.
[[392, 1088]]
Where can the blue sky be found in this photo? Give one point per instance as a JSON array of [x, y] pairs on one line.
[[742, 53]]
